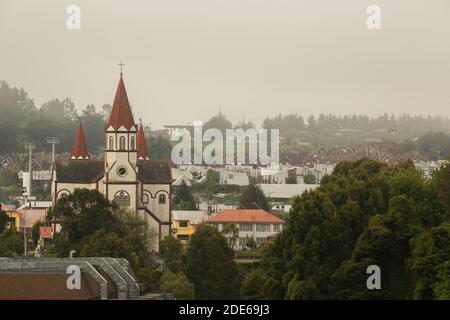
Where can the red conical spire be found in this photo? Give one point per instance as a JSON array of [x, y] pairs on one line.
[[79, 149], [121, 114], [142, 152]]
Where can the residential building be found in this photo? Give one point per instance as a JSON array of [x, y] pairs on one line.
[[257, 224], [185, 223]]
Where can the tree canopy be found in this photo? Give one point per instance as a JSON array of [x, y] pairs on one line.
[[94, 226], [364, 213], [210, 265], [252, 197]]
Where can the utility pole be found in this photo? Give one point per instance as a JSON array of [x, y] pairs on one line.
[[30, 147], [53, 141], [22, 221]]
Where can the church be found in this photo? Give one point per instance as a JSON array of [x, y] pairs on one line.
[[126, 175]]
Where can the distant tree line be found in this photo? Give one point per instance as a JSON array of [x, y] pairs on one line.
[[22, 121]]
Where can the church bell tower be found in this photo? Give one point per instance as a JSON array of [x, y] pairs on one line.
[[121, 151]]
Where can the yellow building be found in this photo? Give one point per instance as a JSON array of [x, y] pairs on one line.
[[185, 223], [13, 214]]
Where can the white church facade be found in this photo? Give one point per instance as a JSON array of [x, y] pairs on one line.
[[126, 175]]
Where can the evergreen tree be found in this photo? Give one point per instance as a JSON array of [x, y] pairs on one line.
[[252, 197], [210, 265], [183, 198]]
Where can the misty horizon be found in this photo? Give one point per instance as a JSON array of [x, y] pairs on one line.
[[185, 61]]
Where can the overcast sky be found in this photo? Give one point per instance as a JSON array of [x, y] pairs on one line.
[[186, 58]]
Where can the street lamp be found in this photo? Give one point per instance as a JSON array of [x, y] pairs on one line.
[[53, 141]]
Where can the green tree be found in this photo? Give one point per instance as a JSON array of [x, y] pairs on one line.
[[183, 198], [94, 226], [11, 243], [252, 197], [103, 244], [159, 145], [177, 284], [210, 265], [35, 231], [4, 219], [292, 177], [172, 252], [231, 231], [252, 285], [94, 127], [364, 213], [309, 178]]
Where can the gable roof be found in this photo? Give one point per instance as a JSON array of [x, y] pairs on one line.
[[121, 114], [246, 215], [154, 171], [80, 171]]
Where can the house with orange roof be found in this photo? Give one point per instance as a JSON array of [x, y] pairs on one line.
[[257, 224]]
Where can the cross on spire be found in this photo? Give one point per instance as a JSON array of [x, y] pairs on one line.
[[121, 64]]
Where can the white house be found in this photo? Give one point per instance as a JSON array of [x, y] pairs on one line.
[[251, 223]]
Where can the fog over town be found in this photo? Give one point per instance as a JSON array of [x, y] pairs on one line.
[[186, 59]]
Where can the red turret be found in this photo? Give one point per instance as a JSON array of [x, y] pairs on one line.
[[79, 149], [142, 152], [121, 114]]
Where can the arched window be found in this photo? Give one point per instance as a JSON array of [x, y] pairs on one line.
[[132, 143], [122, 198], [145, 198], [162, 199], [111, 143], [122, 143]]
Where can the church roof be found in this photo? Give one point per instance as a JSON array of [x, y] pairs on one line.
[[142, 152], [87, 171], [121, 114], [155, 171], [91, 171], [79, 149]]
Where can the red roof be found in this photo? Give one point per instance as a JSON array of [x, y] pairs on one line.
[[6, 207], [79, 149], [121, 114], [142, 152], [246, 215], [45, 232]]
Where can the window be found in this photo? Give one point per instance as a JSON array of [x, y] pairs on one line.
[[122, 143], [263, 227], [111, 143], [162, 199], [183, 223], [276, 227], [245, 227], [145, 198], [183, 237], [122, 198], [132, 143]]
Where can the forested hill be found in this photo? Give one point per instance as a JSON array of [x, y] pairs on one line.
[[21, 120], [363, 214]]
